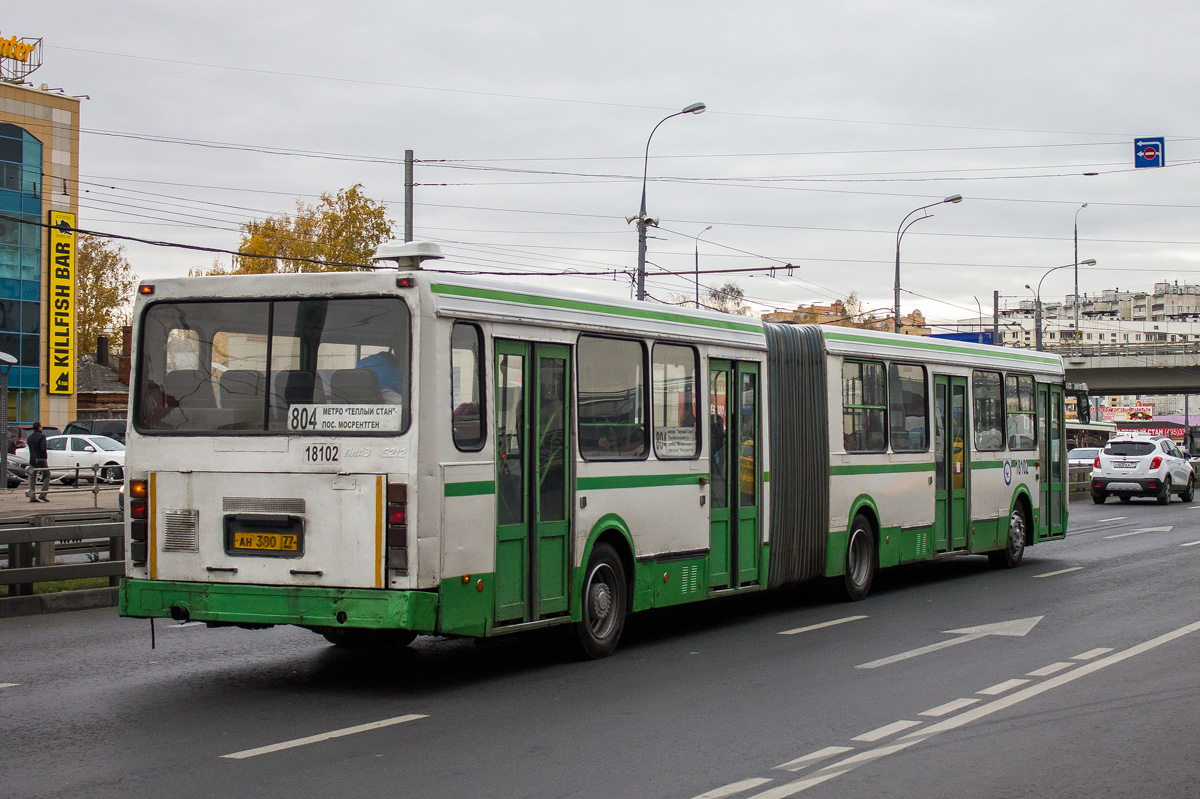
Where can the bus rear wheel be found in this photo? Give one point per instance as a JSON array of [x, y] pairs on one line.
[[860, 559], [604, 604], [1014, 547]]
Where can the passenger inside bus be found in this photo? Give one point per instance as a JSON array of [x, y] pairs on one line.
[[389, 370]]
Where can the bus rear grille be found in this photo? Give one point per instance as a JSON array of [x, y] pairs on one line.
[[179, 530], [290, 505]]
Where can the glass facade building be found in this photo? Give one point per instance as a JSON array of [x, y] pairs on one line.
[[21, 189]]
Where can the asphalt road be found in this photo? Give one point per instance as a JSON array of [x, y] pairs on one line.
[[745, 697]]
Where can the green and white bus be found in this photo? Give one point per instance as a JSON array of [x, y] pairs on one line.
[[377, 455]]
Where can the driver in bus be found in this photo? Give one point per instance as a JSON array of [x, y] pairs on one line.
[[389, 370]]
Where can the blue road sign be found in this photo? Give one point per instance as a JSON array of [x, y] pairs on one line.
[[1149, 151]]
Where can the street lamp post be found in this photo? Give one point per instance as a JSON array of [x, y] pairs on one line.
[[1037, 313], [905, 224], [697, 237], [6, 362], [1077, 269], [641, 219]]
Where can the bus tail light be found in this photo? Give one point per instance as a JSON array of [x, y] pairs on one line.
[[397, 527], [137, 546]]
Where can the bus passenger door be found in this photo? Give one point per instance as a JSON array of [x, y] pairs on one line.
[[951, 464], [532, 485], [1052, 520], [735, 473]]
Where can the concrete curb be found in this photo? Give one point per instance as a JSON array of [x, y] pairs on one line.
[[58, 602]]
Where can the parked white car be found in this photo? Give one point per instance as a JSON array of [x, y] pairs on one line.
[[1082, 456], [68, 456], [1142, 466]]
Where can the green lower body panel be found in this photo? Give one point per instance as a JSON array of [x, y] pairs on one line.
[[364, 608]]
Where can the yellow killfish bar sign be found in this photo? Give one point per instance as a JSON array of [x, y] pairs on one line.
[[61, 338]]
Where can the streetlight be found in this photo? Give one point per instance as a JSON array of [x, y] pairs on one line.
[[6, 363], [641, 218], [1080, 208], [1037, 295], [900, 231], [697, 237]]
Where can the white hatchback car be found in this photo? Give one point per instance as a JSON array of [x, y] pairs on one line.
[[1142, 466]]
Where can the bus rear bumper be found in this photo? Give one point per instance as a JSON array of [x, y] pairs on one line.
[[261, 605]]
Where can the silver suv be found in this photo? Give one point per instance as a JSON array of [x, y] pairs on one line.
[[1142, 466]]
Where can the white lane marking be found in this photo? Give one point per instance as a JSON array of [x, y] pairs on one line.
[[814, 757], [325, 736], [949, 707], [183, 624], [822, 625], [962, 719], [1016, 628], [1166, 529], [1060, 571], [732, 788], [1093, 653], [9, 684], [1115, 519], [1053, 668], [1190, 544], [1001, 687], [885, 731]]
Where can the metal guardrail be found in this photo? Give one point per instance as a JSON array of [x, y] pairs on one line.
[[91, 473], [33, 544]]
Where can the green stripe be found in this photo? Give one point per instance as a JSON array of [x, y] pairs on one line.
[[637, 481], [472, 489], [919, 343], [766, 477], [987, 464], [880, 468], [593, 307]]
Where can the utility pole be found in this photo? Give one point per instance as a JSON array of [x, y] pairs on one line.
[[996, 318], [408, 195]]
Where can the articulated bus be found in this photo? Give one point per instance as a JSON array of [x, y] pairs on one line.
[[377, 455]]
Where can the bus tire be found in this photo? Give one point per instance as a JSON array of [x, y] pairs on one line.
[[1014, 545], [604, 604], [370, 639], [861, 560]]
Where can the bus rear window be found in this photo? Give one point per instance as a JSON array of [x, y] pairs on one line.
[[288, 366]]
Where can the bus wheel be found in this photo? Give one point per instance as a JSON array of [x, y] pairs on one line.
[[1014, 548], [860, 559], [370, 639], [604, 604]]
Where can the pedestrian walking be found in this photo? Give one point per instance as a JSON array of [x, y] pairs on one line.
[[38, 461]]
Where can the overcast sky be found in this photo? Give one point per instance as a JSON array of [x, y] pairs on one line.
[[826, 124]]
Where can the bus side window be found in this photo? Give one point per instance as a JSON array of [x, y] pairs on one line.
[[466, 387]]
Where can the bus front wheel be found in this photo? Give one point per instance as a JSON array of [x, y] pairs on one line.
[[604, 604], [860, 559]]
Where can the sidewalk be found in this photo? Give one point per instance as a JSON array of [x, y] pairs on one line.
[[14, 502]]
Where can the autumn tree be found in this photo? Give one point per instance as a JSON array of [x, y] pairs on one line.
[[104, 289], [727, 298], [343, 228]]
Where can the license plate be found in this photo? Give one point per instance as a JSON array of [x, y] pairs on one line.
[[1125, 464], [266, 542]]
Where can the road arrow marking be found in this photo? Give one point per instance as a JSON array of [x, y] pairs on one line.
[[1014, 628], [1166, 529]]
